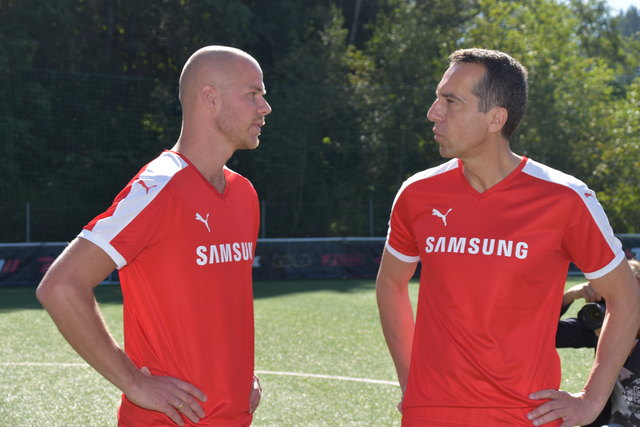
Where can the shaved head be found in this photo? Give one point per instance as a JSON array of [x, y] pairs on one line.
[[210, 65], [222, 94]]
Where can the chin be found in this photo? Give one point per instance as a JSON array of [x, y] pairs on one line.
[[445, 154], [251, 145]]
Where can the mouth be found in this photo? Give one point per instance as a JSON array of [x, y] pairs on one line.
[[258, 125]]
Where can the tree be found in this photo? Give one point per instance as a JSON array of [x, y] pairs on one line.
[[629, 23], [90, 95], [395, 76], [617, 171], [571, 122]]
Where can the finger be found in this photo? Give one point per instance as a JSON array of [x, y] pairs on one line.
[[545, 394], [256, 383], [547, 418], [546, 407], [172, 413], [551, 407], [590, 295], [191, 390], [254, 400], [192, 410], [189, 407]]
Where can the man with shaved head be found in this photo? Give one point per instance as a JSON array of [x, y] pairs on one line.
[[182, 234]]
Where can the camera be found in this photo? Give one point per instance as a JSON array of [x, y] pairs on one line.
[[591, 315]]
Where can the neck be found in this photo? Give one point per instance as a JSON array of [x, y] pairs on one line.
[[208, 157], [484, 173], [218, 181]]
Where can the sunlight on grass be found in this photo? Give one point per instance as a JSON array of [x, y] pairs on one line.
[[313, 327]]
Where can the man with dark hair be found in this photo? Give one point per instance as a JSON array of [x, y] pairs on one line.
[[504, 84], [480, 351]]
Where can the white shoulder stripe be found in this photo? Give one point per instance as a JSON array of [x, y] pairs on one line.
[[142, 192], [429, 173], [546, 173], [425, 174], [588, 197]]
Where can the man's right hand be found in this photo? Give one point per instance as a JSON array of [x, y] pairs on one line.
[[168, 395]]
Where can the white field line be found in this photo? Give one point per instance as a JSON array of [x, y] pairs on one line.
[[329, 377], [61, 365], [289, 374]]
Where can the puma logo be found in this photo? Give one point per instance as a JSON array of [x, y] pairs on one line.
[[146, 189], [205, 221], [587, 195], [436, 212]]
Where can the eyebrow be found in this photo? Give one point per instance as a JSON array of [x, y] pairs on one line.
[[262, 90], [450, 96]]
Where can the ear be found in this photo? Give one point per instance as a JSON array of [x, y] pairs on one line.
[[209, 97], [497, 118]]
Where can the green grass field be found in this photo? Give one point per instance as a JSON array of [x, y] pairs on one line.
[[320, 354]]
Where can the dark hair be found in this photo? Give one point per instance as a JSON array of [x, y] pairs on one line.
[[504, 84]]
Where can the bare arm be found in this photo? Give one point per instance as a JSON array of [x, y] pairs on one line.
[[66, 292], [622, 294], [581, 290], [396, 312]]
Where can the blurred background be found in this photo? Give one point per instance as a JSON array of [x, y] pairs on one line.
[[89, 95]]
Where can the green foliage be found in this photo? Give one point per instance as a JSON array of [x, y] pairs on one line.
[[629, 22], [617, 172], [395, 78], [89, 96]]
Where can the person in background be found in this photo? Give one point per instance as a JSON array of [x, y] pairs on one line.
[[480, 351], [623, 407], [182, 234]]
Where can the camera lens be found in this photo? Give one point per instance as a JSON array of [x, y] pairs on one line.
[[591, 315]]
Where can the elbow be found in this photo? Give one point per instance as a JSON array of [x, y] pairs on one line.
[[43, 292], [49, 290]]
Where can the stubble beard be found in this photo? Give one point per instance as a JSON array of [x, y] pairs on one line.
[[239, 138]]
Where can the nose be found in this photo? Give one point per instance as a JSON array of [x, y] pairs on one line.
[[435, 113], [265, 108]]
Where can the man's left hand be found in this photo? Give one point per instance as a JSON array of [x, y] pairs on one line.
[[573, 408], [256, 393]]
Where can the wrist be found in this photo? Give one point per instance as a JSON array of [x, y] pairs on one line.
[[594, 401]]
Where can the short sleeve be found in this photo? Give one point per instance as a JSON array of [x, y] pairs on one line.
[[589, 240], [137, 212], [401, 242]]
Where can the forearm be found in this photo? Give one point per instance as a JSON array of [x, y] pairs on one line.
[[616, 341], [67, 293], [75, 312], [396, 317]]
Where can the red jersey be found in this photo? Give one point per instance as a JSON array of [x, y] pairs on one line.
[[494, 266], [185, 254]]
